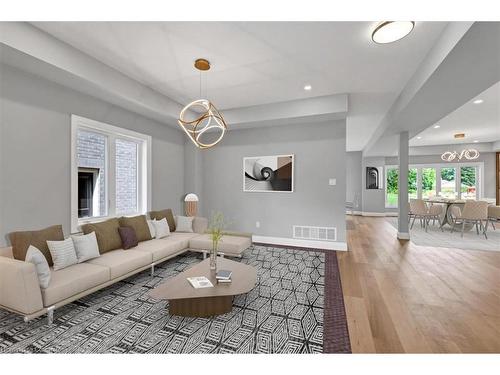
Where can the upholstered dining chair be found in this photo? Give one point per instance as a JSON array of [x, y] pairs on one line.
[[493, 215], [474, 212], [419, 210]]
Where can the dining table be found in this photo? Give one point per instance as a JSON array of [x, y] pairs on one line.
[[447, 203]]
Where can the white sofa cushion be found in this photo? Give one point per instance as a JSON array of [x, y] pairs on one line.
[[72, 280], [121, 262], [86, 247], [63, 253], [162, 248], [35, 256], [229, 245]]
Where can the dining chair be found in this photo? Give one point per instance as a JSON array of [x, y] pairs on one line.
[[493, 215], [419, 210], [474, 212]]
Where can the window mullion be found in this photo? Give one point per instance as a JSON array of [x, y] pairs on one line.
[[111, 162]]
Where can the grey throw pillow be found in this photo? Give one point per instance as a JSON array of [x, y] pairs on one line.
[[35, 256], [86, 247], [184, 224]]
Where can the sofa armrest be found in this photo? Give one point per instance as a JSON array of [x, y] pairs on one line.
[[200, 224], [19, 286]]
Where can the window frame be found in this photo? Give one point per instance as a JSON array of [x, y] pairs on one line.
[[479, 166], [144, 183]]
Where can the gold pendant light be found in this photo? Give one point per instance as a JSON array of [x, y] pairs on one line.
[[210, 118]]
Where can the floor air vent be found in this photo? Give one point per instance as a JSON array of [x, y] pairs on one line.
[[315, 233]]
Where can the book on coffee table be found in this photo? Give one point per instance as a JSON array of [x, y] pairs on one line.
[[200, 282], [223, 275]]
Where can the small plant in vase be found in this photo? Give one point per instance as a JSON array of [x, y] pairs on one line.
[[216, 230]]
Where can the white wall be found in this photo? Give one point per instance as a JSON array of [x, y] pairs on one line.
[[35, 151]]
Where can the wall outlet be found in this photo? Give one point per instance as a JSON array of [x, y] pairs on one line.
[[332, 181], [257, 224]]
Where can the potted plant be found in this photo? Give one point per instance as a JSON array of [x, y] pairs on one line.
[[216, 230]]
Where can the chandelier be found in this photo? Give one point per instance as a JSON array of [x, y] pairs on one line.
[[469, 154], [207, 129]]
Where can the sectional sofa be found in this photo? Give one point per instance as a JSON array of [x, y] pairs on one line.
[[21, 293]]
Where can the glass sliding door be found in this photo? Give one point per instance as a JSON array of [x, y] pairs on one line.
[[428, 183], [391, 197], [448, 183], [468, 182], [412, 184]]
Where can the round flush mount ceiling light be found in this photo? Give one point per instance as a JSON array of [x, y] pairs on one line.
[[391, 31], [308, 87], [478, 101], [436, 126], [459, 135]]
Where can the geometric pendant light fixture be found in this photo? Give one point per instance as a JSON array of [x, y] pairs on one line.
[[208, 127]]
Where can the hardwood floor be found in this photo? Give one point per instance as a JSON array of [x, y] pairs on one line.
[[405, 298]]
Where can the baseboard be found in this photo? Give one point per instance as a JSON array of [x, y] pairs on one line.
[[383, 214], [324, 245], [354, 213], [403, 236]]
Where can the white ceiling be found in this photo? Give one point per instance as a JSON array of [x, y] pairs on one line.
[[479, 122], [257, 63]]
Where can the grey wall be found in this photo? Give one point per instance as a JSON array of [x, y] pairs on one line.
[[354, 173], [319, 151], [35, 151]]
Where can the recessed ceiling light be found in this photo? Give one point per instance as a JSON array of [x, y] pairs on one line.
[[419, 137], [307, 87], [436, 126], [478, 101], [390, 31], [476, 141]]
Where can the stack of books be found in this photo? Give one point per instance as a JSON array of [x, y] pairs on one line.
[[223, 276]]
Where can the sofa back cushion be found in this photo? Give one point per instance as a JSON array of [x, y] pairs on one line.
[[164, 214], [107, 234], [140, 225], [21, 241]]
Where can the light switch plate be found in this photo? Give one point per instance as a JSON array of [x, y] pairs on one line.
[[332, 181]]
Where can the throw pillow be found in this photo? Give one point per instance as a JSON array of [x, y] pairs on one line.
[[35, 256], [129, 237], [86, 247], [164, 214], [21, 241], [151, 228], [107, 234], [63, 253], [140, 225], [184, 224], [161, 228]]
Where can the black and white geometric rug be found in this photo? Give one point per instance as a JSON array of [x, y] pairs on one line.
[[282, 314]]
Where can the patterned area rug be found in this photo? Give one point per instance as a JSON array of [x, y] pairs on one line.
[[284, 313]]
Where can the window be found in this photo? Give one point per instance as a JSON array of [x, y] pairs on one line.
[[468, 182], [448, 183], [412, 184], [428, 183], [110, 173], [455, 181], [391, 196]]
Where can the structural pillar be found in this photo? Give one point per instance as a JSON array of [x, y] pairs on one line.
[[403, 160]]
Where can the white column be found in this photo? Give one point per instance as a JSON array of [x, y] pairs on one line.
[[403, 157]]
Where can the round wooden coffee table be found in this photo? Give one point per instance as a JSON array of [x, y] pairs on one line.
[[184, 300]]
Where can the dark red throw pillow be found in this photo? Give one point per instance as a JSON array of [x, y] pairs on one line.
[[128, 236]]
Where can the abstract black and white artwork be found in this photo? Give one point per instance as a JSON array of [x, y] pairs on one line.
[[268, 173]]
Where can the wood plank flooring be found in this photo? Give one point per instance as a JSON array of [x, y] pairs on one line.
[[404, 298]]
